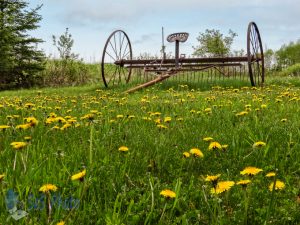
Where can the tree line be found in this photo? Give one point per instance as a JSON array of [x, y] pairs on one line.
[[22, 63]]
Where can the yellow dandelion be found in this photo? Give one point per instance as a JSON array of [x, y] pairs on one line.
[[71, 121], [32, 121], [89, 116], [4, 127], [23, 126], [259, 144], [250, 171], [79, 176], [18, 144], [123, 149], [9, 117], [55, 128], [47, 188], [279, 185], [196, 152], [59, 119], [214, 145], [157, 121], [271, 174], [208, 110], [243, 183], [212, 178], [27, 138], [157, 114], [94, 111], [224, 147], [61, 223], [167, 119], [221, 187], [120, 116], [29, 105], [243, 113], [263, 106], [1, 177], [167, 193], [161, 126], [186, 155], [208, 139], [65, 126]]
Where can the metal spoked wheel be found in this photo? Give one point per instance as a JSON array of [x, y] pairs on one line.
[[255, 56], [117, 47]]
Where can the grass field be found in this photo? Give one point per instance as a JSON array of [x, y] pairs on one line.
[[175, 153]]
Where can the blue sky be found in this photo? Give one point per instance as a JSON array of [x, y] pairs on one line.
[[91, 21]]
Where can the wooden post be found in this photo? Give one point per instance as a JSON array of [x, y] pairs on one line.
[[152, 82]]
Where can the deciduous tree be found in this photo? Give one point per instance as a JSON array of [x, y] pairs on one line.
[[212, 43]]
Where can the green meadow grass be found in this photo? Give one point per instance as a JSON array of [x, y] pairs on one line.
[[124, 187]]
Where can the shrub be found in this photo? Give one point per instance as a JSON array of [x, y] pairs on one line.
[[293, 70], [69, 73]]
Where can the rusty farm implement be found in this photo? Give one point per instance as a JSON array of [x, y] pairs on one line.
[[118, 64]]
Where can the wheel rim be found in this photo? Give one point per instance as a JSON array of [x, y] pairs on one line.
[[117, 47], [255, 56]]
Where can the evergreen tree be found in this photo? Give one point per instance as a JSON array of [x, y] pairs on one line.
[[20, 60]]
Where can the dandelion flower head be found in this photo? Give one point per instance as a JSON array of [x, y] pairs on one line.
[[79, 176], [214, 145], [279, 185], [259, 144], [212, 177], [250, 171], [222, 186], [18, 144], [123, 149], [271, 174], [47, 188], [196, 152], [167, 193]]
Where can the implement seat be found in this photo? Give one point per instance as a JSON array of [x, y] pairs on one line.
[[181, 37]]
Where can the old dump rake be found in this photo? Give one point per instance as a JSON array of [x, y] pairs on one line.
[[117, 60]]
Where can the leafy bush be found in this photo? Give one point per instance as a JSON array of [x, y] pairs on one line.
[[69, 73], [293, 70], [288, 54]]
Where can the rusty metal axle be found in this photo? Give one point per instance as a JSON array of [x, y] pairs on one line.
[[182, 60]]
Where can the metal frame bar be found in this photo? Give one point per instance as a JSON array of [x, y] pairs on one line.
[[184, 60]]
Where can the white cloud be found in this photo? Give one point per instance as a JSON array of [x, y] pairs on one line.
[[91, 21]]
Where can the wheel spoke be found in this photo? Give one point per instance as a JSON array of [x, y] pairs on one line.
[[121, 45], [110, 56], [256, 43], [119, 72], [259, 72], [113, 76], [252, 44], [125, 50], [115, 51], [124, 74], [116, 46], [126, 54]]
